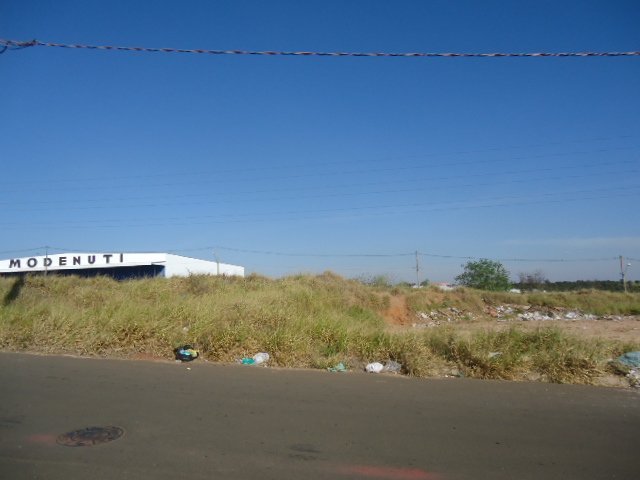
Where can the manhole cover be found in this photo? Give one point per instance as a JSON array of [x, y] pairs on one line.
[[87, 437]]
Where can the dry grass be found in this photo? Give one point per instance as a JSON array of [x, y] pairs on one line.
[[302, 321]]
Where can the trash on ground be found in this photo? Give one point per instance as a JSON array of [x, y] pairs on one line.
[[634, 378], [375, 367], [630, 359], [392, 366], [261, 357], [494, 354], [186, 353], [338, 368], [257, 359]]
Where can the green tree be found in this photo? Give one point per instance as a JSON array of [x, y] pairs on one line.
[[484, 274]]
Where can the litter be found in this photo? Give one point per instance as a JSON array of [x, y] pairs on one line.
[[494, 354], [261, 357], [338, 368], [257, 359], [186, 353], [375, 367], [392, 366], [630, 359]]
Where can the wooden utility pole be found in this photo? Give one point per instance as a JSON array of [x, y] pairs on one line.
[[417, 271]]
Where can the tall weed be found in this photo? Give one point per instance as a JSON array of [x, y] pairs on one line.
[[303, 320]]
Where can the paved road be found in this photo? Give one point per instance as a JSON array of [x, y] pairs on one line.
[[244, 422]]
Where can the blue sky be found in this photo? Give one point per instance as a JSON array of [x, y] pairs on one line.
[[329, 161]]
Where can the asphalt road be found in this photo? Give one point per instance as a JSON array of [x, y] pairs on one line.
[[205, 421]]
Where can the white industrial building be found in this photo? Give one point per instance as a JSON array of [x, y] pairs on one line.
[[119, 265]]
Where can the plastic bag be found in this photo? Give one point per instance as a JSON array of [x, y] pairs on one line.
[[375, 367], [338, 368], [392, 366], [261, 357], [630, 359], [185, 353]]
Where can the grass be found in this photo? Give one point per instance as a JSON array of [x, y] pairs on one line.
[[301, 321], [598, 302]]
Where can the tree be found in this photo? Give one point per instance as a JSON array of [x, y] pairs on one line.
[[484, 274], [532, 281]]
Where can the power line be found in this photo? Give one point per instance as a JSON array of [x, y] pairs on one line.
[[406, 254], [506, 201], [347, 255], [318, 255], [541, 260], [169, 199], [337, 214], [24, 250], [366, 168], [341, 174], [16, 44]]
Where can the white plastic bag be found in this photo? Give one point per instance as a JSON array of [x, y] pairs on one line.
[[375, 367], [261, 357]]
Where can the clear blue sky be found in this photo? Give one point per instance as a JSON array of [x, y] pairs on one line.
[[534, 158]]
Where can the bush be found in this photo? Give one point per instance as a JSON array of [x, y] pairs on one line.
[[484, 274]]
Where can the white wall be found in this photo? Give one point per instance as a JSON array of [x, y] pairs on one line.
[[177, 265]]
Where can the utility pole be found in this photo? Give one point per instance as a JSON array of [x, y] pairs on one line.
[[217, 264], [46, 260], [623, 273], [417, 271]]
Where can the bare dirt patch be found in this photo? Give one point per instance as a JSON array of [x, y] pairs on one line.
[[398, 313]]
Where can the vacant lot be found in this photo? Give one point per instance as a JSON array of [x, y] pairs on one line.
[[320, 321]]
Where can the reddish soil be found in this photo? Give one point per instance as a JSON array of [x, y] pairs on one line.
[[398, 313]]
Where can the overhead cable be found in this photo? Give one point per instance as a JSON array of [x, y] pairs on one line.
[[23, 250], [424, 254], [365, 167], [16, 44], [349, 255]]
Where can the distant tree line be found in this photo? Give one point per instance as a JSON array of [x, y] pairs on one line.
[[566, 286], [487, 274]]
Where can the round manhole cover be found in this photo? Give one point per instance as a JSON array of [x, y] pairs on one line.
[[87, 437]]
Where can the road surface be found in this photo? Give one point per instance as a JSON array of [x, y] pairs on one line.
[[204, 421]]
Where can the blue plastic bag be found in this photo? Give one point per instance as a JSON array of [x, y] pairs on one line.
[[630, 359]]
